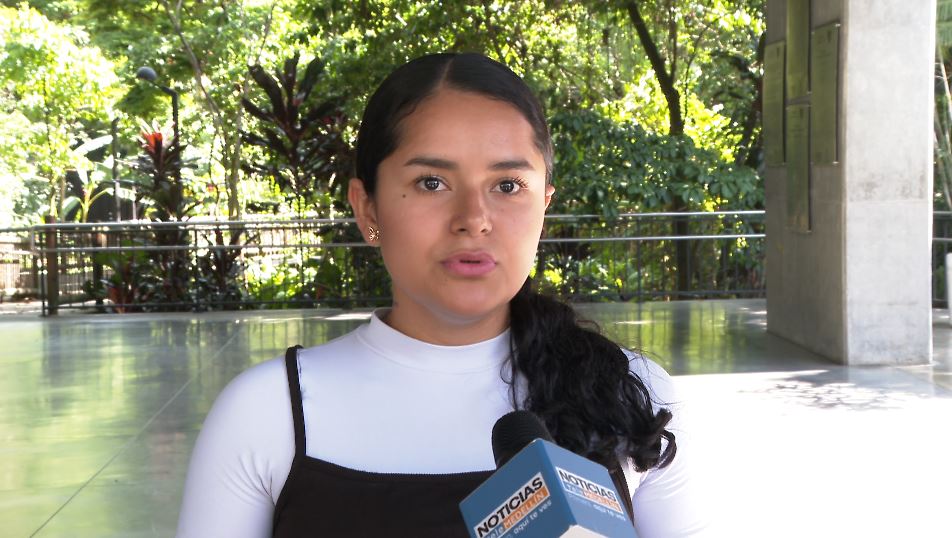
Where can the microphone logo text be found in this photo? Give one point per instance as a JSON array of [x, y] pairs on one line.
[[589, 490], [515, 509]]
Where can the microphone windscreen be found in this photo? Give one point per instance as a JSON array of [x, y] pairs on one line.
[[513, 431]]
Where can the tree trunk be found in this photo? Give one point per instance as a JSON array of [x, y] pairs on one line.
[[666, 80], [60, 195], [233, 168]]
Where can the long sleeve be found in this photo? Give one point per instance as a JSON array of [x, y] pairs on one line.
[[241, 458]]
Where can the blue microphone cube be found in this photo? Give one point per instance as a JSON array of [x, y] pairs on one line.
[[546, 491]]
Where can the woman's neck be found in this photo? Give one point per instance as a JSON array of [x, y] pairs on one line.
[[446, 329]]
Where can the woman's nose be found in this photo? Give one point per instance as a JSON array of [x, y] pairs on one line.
[[471, 214]]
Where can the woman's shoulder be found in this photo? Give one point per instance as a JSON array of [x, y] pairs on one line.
[[270, 376], [261, 379], [254, 405], [657, 380]]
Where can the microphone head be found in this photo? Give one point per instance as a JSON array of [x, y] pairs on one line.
[[513, 431]]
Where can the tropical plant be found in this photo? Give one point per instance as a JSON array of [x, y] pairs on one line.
[[220, 269], [302, 139], [608, 93], [91, 183], [130, 279], [161, 163], [92, 188]]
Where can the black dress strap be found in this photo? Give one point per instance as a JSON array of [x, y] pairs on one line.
[[297, 406], [617, 474]]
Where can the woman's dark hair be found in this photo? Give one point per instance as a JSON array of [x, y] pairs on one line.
[[578, 381]]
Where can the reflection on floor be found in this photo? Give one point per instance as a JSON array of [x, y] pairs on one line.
[[98, 415]]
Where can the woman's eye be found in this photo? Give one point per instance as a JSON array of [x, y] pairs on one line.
[[509, 186], [431, 183]]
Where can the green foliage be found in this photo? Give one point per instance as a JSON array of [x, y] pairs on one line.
[[140, 280], [60, 85], [292, 283], [944, 23], [564, 52], [576, 55], [22, 192], [606, 167], [942, 118], [633, 270], [585, 59], [709, 55], [218, 272], [130, 280], [92, 185], [302, 139], [587, 56]]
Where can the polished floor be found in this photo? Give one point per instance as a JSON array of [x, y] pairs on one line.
[[98, 415]]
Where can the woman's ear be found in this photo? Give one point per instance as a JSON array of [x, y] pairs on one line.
[[364, 209], [549, 191]]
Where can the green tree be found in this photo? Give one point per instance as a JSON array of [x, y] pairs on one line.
[[551, 45], [64, 88], [216, 53], [680, 38], [21, 191], [201, 49], [942, 119]]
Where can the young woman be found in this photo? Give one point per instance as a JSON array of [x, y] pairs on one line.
[[384, 430]]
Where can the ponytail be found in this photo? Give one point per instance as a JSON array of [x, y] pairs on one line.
[[580, 385]]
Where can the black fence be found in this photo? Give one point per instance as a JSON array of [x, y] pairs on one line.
[[214, 265], [941, 246]]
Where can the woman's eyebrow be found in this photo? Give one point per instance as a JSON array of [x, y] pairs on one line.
[[443, 164], [432, 162], [512, 164]]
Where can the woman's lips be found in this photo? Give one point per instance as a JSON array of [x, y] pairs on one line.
[[470, 264]]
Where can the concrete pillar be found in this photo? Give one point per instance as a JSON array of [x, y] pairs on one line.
[[857, 287]]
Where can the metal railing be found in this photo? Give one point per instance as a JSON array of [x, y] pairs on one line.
[[207, 264], [18, 273], [632, 257], [581, 258], [941, 245]]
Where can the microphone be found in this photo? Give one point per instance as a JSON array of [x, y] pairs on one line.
[[541, 490]]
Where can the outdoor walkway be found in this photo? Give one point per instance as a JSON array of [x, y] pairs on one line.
[[98, 415]]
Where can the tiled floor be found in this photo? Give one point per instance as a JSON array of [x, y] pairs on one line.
[[98, 415]]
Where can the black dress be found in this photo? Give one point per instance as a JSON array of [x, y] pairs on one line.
[[321, 499]]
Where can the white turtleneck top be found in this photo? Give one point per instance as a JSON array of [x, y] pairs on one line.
[[378, 400]]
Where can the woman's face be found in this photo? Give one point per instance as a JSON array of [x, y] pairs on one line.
[[459, 206]]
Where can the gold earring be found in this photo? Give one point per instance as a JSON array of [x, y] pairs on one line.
[[373, 234]]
